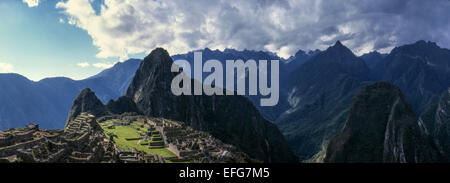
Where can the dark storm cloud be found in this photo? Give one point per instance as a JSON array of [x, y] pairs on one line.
[[282, 26]]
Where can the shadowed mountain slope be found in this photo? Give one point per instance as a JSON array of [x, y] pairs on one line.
[[381, 127]]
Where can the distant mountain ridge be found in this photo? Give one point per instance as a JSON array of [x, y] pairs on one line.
[[421, 70], [285, 66], [54, 95], [47, 101]]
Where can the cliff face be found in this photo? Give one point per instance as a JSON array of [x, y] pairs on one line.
[[150, 87], [86, 101], [232, 119], [436, 124], [381, 127], [320, 95], [121, 105]]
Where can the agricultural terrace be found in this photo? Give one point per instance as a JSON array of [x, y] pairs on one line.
[[136, 135]]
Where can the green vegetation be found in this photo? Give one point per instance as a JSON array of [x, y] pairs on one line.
[[131, 131]]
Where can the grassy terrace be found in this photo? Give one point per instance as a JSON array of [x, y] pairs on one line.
[[124, 132]]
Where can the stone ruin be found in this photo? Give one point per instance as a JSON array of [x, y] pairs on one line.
[[189, 144], [82, 141]]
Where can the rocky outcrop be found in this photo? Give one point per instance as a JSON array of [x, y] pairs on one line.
[[86, 101], [381, 127], [436, 124], [122, 105], [232, 119]]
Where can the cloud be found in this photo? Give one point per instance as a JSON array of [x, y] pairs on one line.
[[61, 20], [6, 68], [83, 64], [32, 3], [103, 65], [122, 27]]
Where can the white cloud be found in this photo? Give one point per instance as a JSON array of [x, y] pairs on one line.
[[103, 65], [6, 68], [61, 20], [32, 3], [83, 64], [123, 27]]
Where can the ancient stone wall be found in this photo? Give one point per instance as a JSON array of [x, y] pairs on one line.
[[11, 150]]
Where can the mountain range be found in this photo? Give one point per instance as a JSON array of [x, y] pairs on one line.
[[317, 112], [323, 88], [320, 93], [232, 119], [47, 101]]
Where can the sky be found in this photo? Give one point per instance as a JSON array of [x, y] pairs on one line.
[[79, 38]]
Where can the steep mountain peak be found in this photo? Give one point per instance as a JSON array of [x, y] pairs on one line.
[[86, 101], [158, 53], [153, 75], [335, 60], [158, 57], [341, 49], [86, 92], [381, 127]]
